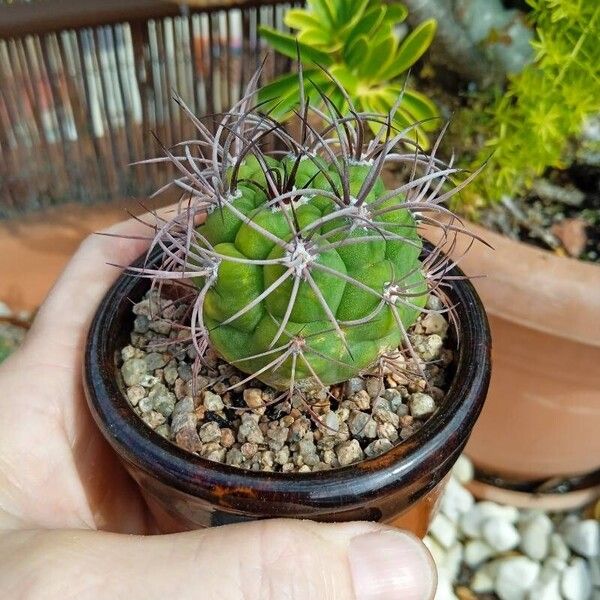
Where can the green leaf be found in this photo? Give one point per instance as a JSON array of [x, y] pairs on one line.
[[279, 97], [323, 10], [355, 14], [412, 48], [367, 69], [298, 18], [345, 11], [346, 78], [420, 108], [403, 120], [356, 52], [283, 94], [381, 102], [288, 46], [371, 20], [396, 13], [383, 31], [315, 37]]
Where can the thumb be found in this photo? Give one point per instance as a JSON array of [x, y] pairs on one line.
[[266, 560]]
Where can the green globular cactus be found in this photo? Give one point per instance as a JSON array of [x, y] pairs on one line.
[[309, 302], [307, 269]]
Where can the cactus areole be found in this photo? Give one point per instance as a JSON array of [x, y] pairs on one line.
[[306, 269]]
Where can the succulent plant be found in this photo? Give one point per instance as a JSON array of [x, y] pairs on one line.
[[305, 268], [359, 43], [528, 127]]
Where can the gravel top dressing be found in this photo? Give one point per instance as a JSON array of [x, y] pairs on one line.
[[253, 426], [489, 551]]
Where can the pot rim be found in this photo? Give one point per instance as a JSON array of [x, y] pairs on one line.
[[519, 278], [429, 452]]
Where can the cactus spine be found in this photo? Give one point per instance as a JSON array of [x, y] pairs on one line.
[[307, 269]]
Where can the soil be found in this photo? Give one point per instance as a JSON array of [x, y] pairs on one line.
[[561, 214], [249, 427]]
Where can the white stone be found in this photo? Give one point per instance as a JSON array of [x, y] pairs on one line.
[[567, 522], [483, 581], [437, 552], [554, 565], [535, 536], [558, 548], [444, 590], [477, 552], [456, 500], [421, 405], [576, 581], [332, 421], [484, 575], [500, 535], [4, 310], [546, 589], [584, 537], [594, 566], [516, 576], [453, 562], [472, 521], [443, 530], [463, 470], [547, 586]]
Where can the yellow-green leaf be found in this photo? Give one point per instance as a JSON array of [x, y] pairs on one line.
[[396, 13], [419, 106], [289, 46], [411, 49], [298, 18], [370, 21], [317, 38], [378, 51], [357, 51]]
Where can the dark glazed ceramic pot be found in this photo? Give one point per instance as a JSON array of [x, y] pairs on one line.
[[185, 491]]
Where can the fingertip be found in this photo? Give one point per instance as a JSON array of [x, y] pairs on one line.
[[389, 564]]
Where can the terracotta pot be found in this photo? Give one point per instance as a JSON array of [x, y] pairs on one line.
[[186, 491], [542, 416], [45, 241]]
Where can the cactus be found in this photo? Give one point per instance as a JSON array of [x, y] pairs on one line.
[[307, 270]]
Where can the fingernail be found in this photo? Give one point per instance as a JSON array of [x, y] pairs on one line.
[[391, 565]]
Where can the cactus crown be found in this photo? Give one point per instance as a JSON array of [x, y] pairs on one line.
[[306, 270]]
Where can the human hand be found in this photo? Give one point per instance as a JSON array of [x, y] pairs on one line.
[[67, 505]]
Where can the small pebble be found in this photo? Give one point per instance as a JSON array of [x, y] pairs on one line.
[[443, 530], [154, 361], [209, 432], [463, 470], [477, 552], [378, 447], [515, 578], [135, 393], [500, 535], [435, 323], [353, 385], [348, 452], [456, 501], [421, 405], [212, 402], [535, 537], [584, 537], [253, 398], [576, 583], [133, 370]]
